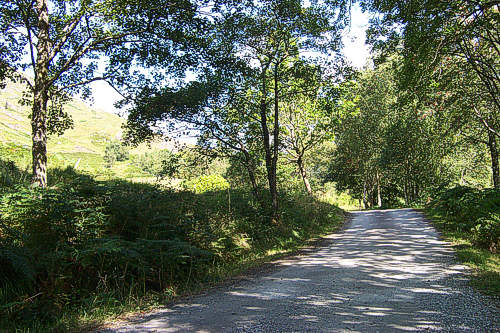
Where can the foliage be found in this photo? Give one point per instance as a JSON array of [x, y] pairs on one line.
[[468, 218], [69, 44], [160, 164], [392, 145], [207, 183], [115, 152], [80, 242], [451, 63], [309, 121], [10, 174], [260, 53], [273, 89], [471, 211], [342, 199]]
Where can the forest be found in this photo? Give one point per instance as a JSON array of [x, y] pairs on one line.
[[272, 136]]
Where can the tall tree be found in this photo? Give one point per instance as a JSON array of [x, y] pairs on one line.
[[387, 146], [437, 33], [308, 122], [256, 53], [66, 45], [367, 104]]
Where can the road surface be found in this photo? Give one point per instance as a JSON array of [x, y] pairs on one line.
[[386, 272]]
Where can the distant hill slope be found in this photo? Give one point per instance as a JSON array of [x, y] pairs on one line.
[[91, 131], [84, 145]]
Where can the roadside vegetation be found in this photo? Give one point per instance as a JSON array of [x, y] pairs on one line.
[[245, 129], [82, 250], [470, 220]]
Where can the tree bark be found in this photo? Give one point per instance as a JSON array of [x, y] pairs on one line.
[[274, 187], [253, 181], [379, 194], [492, 145], [271, 161], [365, 204], [40, 100], [303, 173], [407, 200]]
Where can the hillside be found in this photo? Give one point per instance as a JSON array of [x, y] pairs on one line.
[[83, 145]]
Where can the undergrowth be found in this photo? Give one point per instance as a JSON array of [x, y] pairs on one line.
[[83, 250], [470, 219]]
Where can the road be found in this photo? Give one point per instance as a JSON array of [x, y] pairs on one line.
[[388, 271]]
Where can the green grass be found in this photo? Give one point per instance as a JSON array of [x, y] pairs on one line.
[[342, 199], [90, 125], [106, 310], [486, 265]]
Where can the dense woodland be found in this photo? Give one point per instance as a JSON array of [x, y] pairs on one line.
[[286, 132]]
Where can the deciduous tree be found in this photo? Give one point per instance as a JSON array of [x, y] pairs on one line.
[[66, 45], [255, 55]]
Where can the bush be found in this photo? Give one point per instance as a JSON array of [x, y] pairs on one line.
[[471, 211], [11, 175], [208, 183], [486, 232], [115, 152], [82, 240], [161, 164]]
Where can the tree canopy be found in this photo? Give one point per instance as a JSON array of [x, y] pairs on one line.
[[65, 45]]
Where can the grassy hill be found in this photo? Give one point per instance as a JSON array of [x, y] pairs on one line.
[[83, 145]]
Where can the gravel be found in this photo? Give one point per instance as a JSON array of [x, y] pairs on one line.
[[388, 271]]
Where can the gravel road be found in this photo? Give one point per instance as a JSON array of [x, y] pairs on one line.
[[387, 272]]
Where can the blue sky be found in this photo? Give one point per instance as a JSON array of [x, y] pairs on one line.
[[354, 49]]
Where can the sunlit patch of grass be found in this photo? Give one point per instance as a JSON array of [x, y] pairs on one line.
[[273, 252], [486, 265], [341, 199]]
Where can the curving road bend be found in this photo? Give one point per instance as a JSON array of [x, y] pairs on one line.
[[387, 272]]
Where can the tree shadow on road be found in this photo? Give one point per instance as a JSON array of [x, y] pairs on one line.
[[392, 275]]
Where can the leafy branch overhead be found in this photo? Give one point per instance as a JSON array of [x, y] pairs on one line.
[[259, 57], [67, 45]]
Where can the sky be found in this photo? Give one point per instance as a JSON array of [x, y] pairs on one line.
[[354, 49]]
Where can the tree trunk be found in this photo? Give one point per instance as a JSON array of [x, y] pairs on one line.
[[365, 204], [406, 192], [303, 173], [40, 100], [271, 160], [276, 129], [379, 194], [253, 181], [492, 145]]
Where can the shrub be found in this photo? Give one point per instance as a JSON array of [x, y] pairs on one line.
[[82, 240], [208, 183], [486, 232], [161, 164], [471, 211], [115, 152], [11, 175]]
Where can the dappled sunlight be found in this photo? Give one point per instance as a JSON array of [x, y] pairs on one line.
[[388, 275]]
